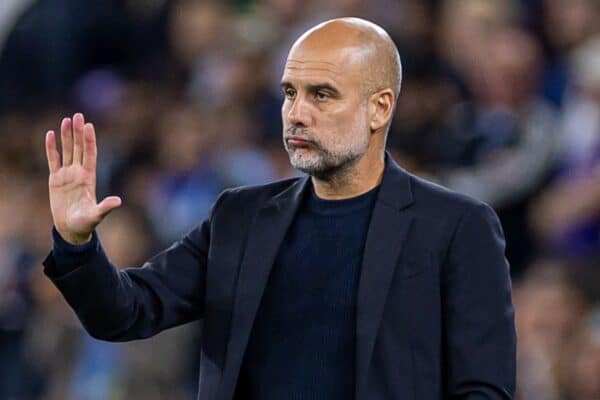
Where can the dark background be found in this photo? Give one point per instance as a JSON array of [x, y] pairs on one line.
[[500, 99]]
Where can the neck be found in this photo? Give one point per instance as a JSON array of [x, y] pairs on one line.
[[358, 178]]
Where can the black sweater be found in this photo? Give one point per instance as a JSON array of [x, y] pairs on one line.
[[303, 340]]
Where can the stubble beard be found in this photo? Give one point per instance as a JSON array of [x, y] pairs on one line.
[[327, 164]]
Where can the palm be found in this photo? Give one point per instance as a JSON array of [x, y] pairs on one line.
[[72, 185], [72, 195]]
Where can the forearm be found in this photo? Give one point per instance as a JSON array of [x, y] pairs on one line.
[[91, 285], [132, 303]]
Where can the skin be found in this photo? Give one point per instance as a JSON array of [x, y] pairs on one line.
[[340, 82], [72, 181]]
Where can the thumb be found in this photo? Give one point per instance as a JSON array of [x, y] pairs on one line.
[[107, 205]]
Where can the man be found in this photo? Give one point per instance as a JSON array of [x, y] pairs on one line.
[[356, 281]]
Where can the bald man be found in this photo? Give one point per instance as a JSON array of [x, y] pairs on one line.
[[356, 281]]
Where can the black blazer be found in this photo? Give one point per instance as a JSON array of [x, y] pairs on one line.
[[434, 317]]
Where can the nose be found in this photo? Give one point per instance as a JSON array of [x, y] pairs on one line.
[[298, 113]]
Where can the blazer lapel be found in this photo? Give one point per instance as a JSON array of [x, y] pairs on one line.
[[387, 232], [264, 239]]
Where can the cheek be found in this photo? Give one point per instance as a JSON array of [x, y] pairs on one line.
[[339, 124], [344, 129], [353, 122], [339, 118], [284, 111]]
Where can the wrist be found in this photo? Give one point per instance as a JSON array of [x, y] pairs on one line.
[[74, 239], [73, 255]]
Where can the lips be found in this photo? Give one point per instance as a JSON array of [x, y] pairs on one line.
[[298, 142]]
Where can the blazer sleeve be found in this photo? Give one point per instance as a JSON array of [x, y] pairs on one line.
[[479, 328], [135, 303]]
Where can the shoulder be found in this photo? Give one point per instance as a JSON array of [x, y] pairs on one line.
[[253, 196], [443, 203], [467, 228], [260, 191]]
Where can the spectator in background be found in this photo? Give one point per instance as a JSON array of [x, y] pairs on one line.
[[428, 91], [504, 139], [20, 241], [188, 181], [567, 214], [566, 24], [16, 263], [578, 366], [45, 32], [464, 32], [546, 286], [243, 162], [501, 146]]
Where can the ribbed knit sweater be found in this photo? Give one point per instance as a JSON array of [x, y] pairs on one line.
[[302, 344]]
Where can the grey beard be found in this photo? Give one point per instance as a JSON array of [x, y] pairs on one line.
[[330, 167], [330, 172]]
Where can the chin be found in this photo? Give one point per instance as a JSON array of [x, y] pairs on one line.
[[302, 160], [313, 167], [304, 164]]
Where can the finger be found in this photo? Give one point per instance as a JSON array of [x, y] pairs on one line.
[[66, 137], [107, 205], [51, 152], [78, 124], [89, 147]]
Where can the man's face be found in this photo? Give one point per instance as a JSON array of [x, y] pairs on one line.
[[324, 112]]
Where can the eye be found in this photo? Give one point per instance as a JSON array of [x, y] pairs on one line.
[[322, 95], [289, 93]]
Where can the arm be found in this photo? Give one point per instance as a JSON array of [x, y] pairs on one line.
[[133, 303], [113, 305], [479, 330]]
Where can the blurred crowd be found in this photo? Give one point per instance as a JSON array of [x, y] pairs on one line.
[[500, 100]]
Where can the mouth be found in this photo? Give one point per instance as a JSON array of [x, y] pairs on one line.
[[298, 142]]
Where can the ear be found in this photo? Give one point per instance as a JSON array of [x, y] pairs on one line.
[[381, 105]]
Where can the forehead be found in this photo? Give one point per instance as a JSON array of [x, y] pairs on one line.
[[340, 65]]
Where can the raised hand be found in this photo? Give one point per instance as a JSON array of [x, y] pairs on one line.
[[72, 184]]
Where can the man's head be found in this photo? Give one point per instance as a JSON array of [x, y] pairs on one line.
[[341, 82]]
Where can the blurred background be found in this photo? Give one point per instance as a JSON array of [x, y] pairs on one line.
[[500, 100]]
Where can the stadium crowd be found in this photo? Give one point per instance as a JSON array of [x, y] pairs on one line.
[[500, 100]]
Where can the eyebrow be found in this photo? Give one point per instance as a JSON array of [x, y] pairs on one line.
[[314, 87]]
